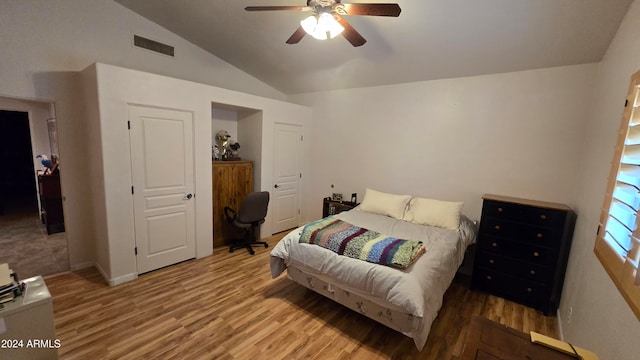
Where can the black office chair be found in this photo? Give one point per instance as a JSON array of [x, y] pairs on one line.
[[251, 214]]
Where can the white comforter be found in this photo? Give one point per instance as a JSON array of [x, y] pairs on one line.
[[417, 290]]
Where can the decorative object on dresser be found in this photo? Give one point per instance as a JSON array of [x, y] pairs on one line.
[[227, 147], [332, 207], [232, 181], [523, 248]]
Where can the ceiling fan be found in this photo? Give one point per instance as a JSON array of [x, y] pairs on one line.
[[327, 22]]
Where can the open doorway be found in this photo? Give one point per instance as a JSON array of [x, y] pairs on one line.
[[18, 178], [29, 244]]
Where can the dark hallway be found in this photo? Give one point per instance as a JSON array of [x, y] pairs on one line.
[[17, 177]]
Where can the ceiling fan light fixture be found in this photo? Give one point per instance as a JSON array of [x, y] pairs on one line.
[[310, 25], [323, 27]]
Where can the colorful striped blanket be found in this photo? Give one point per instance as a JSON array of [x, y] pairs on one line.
[[359, 243]]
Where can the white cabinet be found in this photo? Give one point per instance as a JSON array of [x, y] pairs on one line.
[[27, 330]]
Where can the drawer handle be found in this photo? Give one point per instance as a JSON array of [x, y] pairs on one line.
[[491, 261], [494, 244], [539, 236], [543, 217], [532, 272], [529, 290], [536, 254], [497, 227], [489, 277], [499, 209]]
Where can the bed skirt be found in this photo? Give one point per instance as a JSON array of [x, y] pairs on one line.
[[412, 326]]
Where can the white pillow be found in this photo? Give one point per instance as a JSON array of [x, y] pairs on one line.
[[384, 204], [444, 214]]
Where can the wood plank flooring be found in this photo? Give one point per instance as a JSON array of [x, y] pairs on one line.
[[226, 306]]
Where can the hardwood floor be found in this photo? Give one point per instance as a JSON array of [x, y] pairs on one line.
[[226, 306]]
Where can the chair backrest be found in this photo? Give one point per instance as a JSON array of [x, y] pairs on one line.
[[254, 207]]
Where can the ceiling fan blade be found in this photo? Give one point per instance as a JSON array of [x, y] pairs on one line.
[[372, 9], [350, 33], [296, 36], [269, 8]]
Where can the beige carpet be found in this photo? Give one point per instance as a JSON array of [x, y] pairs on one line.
[[26, 247]]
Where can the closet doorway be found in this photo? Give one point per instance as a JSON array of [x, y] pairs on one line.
[[27, 244]]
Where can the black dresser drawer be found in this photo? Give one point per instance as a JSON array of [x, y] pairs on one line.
[[523, 248], [535, 216], [516, 250], [525, 270], [507, 229], [526, 292]]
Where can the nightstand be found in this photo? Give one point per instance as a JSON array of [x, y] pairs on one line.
[[332, 207]]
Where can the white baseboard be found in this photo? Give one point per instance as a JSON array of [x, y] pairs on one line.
[[102, 272], [118, 280], [123, 279], [81, 266]]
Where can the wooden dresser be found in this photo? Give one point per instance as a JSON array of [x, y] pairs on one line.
[[51, 202], [232, 181], [523, 248]]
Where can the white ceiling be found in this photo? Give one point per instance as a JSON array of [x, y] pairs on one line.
[[432, 39]]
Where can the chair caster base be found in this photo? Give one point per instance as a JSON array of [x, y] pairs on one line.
[[239, 244]]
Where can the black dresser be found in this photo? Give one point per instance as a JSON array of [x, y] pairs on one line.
[[523, 248]]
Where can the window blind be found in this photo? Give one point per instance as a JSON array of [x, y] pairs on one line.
[[618, 240]]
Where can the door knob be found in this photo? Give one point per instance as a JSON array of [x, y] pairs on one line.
[[187, 197], [276, 186]]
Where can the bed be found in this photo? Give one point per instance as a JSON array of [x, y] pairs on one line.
[[406, 300]]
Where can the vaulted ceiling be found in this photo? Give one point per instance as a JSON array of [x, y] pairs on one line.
[[431, 39]]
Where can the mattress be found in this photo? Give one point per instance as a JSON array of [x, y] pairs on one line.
[[406, 300]]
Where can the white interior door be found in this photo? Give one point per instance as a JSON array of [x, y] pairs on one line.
[[287, 176], [162, 171]]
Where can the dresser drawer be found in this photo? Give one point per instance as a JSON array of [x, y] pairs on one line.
[[509, 230], [525, 292], [525, 270], [530, 215], [531, 253]]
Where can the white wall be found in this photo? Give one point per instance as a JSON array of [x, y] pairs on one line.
[[250, 140], [117, 87], [94, 198], [69, 35], [44, 46], [516, 134], [601, 319]]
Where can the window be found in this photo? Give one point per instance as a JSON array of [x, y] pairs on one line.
[[618, 241]]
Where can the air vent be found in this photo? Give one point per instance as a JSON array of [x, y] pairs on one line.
[[152, 45]]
